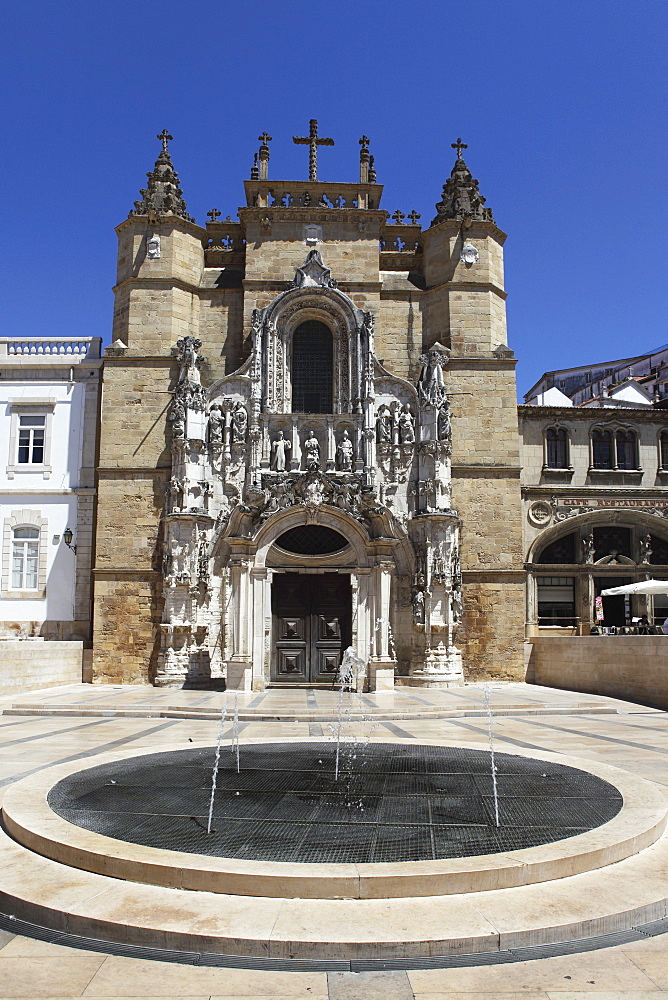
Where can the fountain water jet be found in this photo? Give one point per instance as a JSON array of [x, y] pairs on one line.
[[488, 707], [216, 764]]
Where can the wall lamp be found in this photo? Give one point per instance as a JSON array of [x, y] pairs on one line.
[[67, 538]]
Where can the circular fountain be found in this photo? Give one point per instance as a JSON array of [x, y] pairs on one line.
[[337, 856]]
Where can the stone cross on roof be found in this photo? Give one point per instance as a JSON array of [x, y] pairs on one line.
[[214, 214], [165, 137], [313, 140], [459, 145]]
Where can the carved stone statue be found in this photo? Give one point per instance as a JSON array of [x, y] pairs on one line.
[[444, 427], [406, 425], [418, 607], [312, 449], [384, 426], [280, 453], [345, 453], [646, 548], [175, 494], [588, 548], [188, 359], [215, 427], [431, 386], [177, 418], [239, 423]]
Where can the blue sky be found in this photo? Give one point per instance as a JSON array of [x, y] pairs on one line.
[[562, 105]]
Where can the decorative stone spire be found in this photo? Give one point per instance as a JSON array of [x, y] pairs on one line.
[[461, 198], [163, 195]]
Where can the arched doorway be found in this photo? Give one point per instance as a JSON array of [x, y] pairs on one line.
[[312, 368], [311, 612]]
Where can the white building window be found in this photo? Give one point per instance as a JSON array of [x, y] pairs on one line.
[[32, 431], [24, 555], [25, 559]]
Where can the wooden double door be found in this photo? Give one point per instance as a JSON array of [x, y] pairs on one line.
[[311, 626]]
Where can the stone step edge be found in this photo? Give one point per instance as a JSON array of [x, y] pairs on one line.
[[120, 927], [370, 716]]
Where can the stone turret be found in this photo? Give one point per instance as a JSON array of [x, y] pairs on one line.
[[163, 196]]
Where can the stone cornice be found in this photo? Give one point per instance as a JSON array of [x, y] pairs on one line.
[[460, 364], [166, 221], [313, 213], [111, 571], [477, 229], [470, 286], [596, 492], [118, 472], [492, 575], [486, 470], [593, 414]]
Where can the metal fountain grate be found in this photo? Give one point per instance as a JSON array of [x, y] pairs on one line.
[[391, 802]]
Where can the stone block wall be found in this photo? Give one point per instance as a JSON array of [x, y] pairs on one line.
[[630, 667], [27, 665]]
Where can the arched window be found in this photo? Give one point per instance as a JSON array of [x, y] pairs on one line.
[[25, 559], [312, 368], [556, 454], [625, 444], [663, 450], [601, 449], [561, 551]]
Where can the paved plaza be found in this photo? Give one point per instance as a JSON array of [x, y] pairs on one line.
[[44, 729]]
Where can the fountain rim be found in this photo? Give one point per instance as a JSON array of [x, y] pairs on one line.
[[30, 820]]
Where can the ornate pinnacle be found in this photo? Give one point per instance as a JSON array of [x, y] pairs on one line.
[[364, 160], [163, 194], [461, 198]]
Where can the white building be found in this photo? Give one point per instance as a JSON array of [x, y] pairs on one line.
[[49, 402]]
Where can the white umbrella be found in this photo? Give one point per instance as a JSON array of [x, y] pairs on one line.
[[641, 587]]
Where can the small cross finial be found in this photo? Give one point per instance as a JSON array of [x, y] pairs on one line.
[[165, 137], [265, 138], [312, 141], [214, 214], [398, 217], [414, 216], [459, 145], [364, 142]]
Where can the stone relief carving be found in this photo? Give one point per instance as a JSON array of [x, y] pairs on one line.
[[646, 548], [313, 273], [153, 248]]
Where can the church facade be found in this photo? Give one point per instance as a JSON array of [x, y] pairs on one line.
[[308, 440]]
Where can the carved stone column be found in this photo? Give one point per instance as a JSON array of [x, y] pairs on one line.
[[240, 666], [382, 662]]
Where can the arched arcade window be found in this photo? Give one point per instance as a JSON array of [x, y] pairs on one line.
[[556, 448], [312, 368]]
